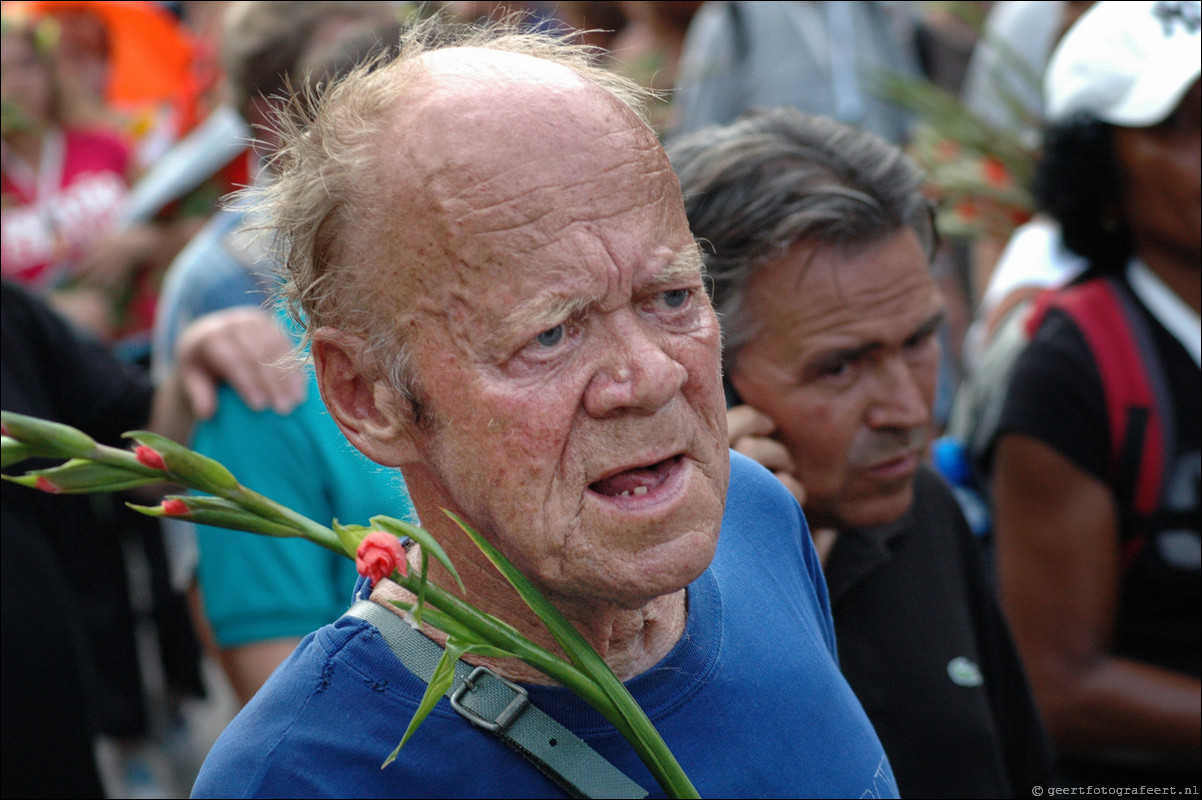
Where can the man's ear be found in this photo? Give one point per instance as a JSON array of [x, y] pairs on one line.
[[372, 415]]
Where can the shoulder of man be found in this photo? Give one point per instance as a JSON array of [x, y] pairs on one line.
[[754, 491]]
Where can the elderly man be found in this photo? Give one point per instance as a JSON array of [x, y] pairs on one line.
[[505, 301], [820, 243]]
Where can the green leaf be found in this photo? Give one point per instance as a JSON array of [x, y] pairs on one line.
[[349, 536], [234, 506], [630, 718], [440, 682], [423, 538], [452, 627], [423, 587], [218, 513], [567, 636]]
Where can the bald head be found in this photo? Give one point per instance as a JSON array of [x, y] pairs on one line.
[[364, 181], [486, 143]]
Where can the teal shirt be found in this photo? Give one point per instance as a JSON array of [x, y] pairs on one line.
[[257, 588]]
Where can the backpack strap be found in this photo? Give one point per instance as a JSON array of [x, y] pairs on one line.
[[1132, 381], [502, 708]]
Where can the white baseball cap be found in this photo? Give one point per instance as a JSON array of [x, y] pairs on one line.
[[1126, 63]]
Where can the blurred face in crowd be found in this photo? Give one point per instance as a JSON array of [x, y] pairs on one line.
[[846, 365], [1162, 181], [25, 81], [83, 50], [566, 354]]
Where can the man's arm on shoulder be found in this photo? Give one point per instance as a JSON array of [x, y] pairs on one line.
[[241, 346]]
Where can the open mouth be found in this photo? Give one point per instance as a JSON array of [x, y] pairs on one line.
[[637, 481]]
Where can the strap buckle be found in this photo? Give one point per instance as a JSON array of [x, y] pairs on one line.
[[516, 705]]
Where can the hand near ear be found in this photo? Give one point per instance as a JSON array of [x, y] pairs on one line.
[[749, 432]]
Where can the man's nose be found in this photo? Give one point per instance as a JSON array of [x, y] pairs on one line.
[[899, 399], [635, 371]]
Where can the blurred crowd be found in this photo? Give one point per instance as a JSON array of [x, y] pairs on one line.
[[1059, 398]]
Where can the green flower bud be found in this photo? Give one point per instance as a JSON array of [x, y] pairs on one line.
[[188, 467], [79, 476], [13, 452], [45, 438]]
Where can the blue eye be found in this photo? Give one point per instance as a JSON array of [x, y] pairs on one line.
[[675, 298], [551, 336], [834, 369]]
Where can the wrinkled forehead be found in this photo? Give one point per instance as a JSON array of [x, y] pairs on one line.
[[506, 151], [481, 115]]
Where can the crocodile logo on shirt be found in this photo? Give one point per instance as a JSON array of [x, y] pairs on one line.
[[964, 672]]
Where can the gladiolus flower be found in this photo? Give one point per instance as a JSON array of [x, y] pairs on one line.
[[968, 210], [1018, 216], [995, 171], [46, 486], [174, 507], [947, 149], [149, 458], [378, 555]]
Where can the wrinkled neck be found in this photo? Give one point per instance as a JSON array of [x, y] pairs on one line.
[[630, 641]]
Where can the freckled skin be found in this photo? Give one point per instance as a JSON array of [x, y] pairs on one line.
[[571, 200], [841, 416]]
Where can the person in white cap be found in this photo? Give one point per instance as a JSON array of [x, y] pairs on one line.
[[1096, 490]]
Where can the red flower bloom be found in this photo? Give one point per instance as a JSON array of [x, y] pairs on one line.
[[947, 149], [46, 486], [1018, 216], [379, 554], [4, 429], [968, 210], [174, 507], [148, 457], [995, 171]]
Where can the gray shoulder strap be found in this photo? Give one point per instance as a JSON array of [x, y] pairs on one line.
[[501, 707]]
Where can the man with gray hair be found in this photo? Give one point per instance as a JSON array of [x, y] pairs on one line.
[[819, 241], [489, 249]]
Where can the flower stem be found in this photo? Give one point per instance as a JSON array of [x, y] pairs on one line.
[[595, 683]]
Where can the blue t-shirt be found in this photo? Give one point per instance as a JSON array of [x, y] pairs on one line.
[[750, 699]]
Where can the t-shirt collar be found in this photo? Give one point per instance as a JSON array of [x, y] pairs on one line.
[[1170, 310]]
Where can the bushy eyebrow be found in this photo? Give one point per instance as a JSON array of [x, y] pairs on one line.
[[685, 267], [929, 327], [926, 328], [545, 312], [537, 314]]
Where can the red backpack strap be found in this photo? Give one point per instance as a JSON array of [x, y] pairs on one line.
[[1121, 348]]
